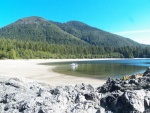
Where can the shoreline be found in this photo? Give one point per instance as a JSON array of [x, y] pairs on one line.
[[32, 70], [26, 95]]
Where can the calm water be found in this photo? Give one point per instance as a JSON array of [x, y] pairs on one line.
[[103, 68]]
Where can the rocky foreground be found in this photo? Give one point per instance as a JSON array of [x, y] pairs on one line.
[[115, 96]]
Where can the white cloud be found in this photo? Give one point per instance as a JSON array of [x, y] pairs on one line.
[[133, 32], [141, 36]]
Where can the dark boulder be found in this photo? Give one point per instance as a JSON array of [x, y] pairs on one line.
[[147, 72]]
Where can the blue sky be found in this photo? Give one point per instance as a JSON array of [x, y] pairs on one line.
[[129, 18]]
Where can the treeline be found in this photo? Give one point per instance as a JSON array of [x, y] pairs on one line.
[[13, 49]]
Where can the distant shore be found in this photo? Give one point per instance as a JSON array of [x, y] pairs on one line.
[[31, 69]]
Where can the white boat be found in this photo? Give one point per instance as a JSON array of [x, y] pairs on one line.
[[74, 64]]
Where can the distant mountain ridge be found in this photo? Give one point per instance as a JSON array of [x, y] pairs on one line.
[[70, 33], [95, 36]]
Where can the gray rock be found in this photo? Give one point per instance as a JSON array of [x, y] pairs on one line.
[[147, 72], [115, 96], [21, 96]]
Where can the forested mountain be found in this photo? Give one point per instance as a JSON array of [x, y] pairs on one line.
[[95, 36], [38, 29], [70, 33], [35, 37]]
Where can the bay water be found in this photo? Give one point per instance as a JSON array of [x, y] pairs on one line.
[[102, 69]]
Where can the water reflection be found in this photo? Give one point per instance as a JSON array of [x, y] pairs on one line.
[[105, 68], [74, 67], [109, 70]]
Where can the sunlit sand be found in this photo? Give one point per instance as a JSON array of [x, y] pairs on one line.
[[31, 70]]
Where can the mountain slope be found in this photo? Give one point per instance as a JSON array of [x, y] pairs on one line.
[[95, 36], [38, 29], [70, 33]]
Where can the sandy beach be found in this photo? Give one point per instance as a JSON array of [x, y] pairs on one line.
[[31, 69]]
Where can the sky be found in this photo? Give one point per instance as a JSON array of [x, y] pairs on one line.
[[128, 18]]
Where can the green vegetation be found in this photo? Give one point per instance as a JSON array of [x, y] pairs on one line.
[[38, 29], [70, 33], [95, 36], [35, 37], [14, 49]]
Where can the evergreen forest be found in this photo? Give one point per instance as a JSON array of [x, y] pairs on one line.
[[14, 49], [38, 38]]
